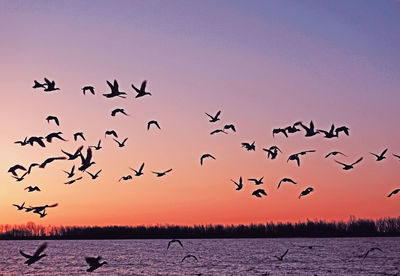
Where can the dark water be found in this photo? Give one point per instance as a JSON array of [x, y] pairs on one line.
[[216, 257]]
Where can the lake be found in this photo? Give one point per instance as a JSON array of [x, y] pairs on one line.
[[328, 256]]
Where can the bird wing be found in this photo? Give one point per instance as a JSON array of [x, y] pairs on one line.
[[284, 254], [209, 115], [358, 161], [40, 249], [374, 154], [343, 164], [114, 112], [395, 155], [218, 113], [167, 171], [25, 255], [143, 86], [91, 261], [47, 81], [384, 152], [123, 142], [137, 90]]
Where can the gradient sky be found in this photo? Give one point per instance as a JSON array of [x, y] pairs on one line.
[[265, 64]]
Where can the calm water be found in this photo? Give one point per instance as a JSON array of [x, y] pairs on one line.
[[216, 257]]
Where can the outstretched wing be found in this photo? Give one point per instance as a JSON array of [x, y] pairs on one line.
[[40, 249], [25, 255], [143, 86], [358, 161]]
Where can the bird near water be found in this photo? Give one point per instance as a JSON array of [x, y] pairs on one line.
[[280, 258], [174, 241], [94, 263], [190, 256], [36, 256]]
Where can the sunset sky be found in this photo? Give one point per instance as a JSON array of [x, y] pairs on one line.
[[264, 64]]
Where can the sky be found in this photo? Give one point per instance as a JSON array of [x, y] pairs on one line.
[[264, 64]]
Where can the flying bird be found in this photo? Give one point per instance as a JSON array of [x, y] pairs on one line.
[[153, 122], [295, 156], [174, 241], [36, 256], [94, 263], [347, 167], [98, 147], [32, 189], [88, 88], [118, 110], [51, 86], [189, 256], [342, 129], [31, 166], [215, 118], [330, 133], [73, 180], [306, 192], [396, 155], [79, 134], [19, 207], [70, 173], [259, 193], [19, 179], [43, 214], [14, 168], [37, 84], [257, 181], [370, 250], [283, 180], [37, 140], [249, 146], [293, 129], [121, 144], [394, 192], [218, 131], [272, 152], [230, 126], [142, 91], [114, 91], [38, 209], [310, 131], [334, 153], [111, 132], [140, 171], [207, 155], [381, 156], [125, 178], [279, 130], [238, 184], [160, 174], [86, 161], [54, 135], [280, 258], [75, 155], [22, 143], [54, 118], [49, 160], [94, 176]]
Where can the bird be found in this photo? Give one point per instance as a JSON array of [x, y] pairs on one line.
[[347, 167], [293, 129], [98, 147], [272, 152], [19, 207], [218, 131], [230, 126], [43, 214], [31, 166], [54, 118], [280, 258], [118, 110], [125, 178], [53, 135], [206, 155], [38, 209], [238, 184], [330, 133], [279, 130], [73, 180], [36, 256], [394, 192], [370, 250], [19, 179], [111, 132], [114, 91], [310, 131], [160, 174], [259, 193], [140, 171], [22, 143], [37, 84], [334, 153], [79, 134], [32, 189], [174, 241], [215, 118], [88, 88], [342, 129], [257, 181], [94, 176], [86, 161], [70, 173], [189, 256], [38, 140], [285, 180], [153, 122], [14, 168], [49, 160], [94, 263], [75, 155], [381, 156], [295, 156], [306, 192], [50, 86], [142, 91], [249, 146], [119, 143]]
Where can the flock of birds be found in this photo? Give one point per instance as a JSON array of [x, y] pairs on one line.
[[19, 172]]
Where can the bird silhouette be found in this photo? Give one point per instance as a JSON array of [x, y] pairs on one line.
[[347, 167], [19, 207], [111, 132], [37, 84], [121, 144], [88, 88], [160, 174], [70, 173], [272, 152], [49, 160], [230, 126], [32, 189], [38, 209], [283, 180], [54, 135], [238, 184], [394, 192], [218, 131], [51, 86], [249, 147], [54, 118], [279, 130], [310, 131], [257, 181], [369, 251], [153, 122], [118, 110], [259, 193], [98, 147], [142, 91], [295, 156], [280, 258], [86, 161], [22, 177], [31, 166], [125, 178], [79, 134], [75, 155], [36, 256], [14, 168], [396, 155], [114, 91], [306, 192], [174, 241], [43, 214], [330, 133], [215, 118], [73, 181], [94, 263], [189, 256], [140, 171], [207, 155], [381, 156], [334, 153], [22, 143], [293, 128], [94, 176], [37, 140], [342, 129]]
